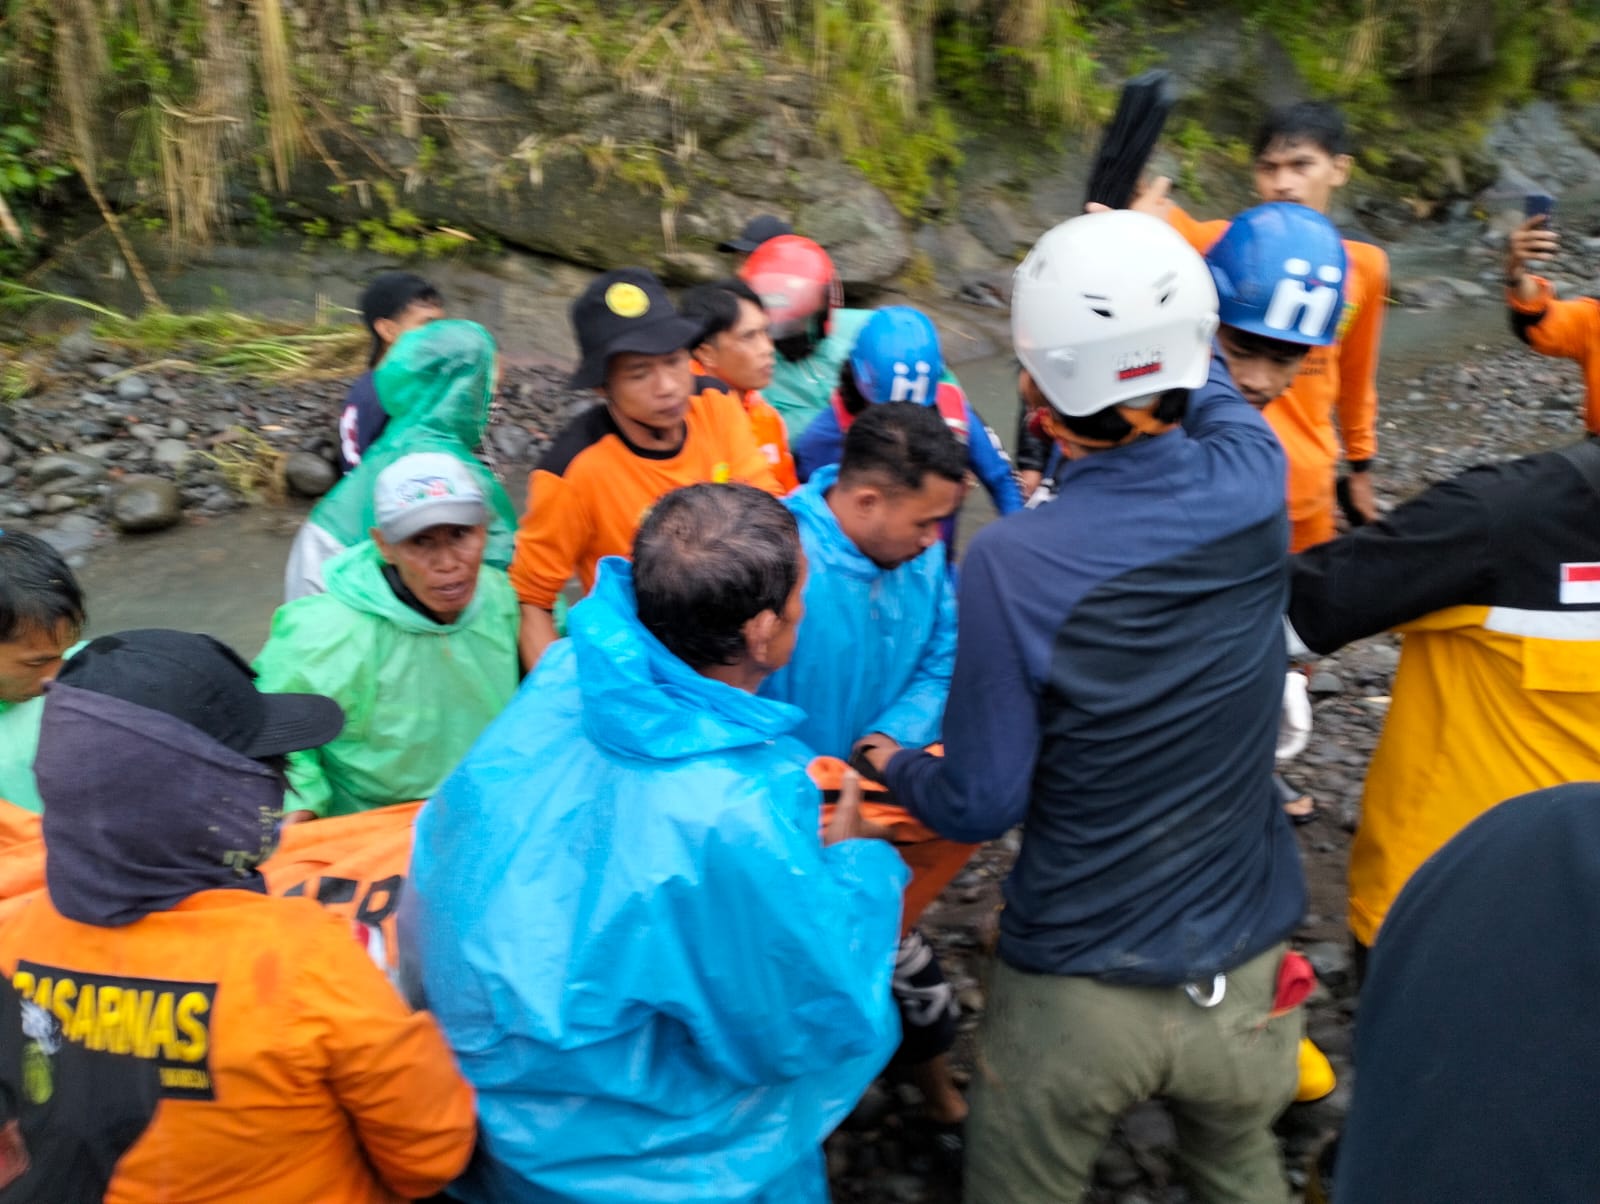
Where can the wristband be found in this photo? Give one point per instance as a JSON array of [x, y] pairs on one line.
[[1359, 465]]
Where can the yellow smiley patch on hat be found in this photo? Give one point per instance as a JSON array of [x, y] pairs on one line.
[[627, 300]]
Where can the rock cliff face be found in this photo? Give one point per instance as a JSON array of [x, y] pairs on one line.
[[597, 134], [602, 177]]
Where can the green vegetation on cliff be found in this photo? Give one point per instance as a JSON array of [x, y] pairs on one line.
[[193, 111]]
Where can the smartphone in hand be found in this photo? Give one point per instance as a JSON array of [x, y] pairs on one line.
[[1540, 204]]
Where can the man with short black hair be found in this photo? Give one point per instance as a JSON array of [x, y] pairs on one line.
[[876, 653], [41, 616], [708, 995], [392, 304], [658, 427], [736, 347], [874, 659], [1302, 155]]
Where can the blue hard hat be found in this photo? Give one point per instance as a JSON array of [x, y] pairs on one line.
[[1280, 272], [897, 357]]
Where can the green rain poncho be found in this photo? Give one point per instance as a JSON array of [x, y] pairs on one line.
[[415, 693], [436, 384], [19, 741]]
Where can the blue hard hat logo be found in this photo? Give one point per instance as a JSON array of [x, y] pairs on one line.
[[1303, 302], [908, 387], [1281, 272]]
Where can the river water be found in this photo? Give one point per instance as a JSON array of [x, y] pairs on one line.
[[223, 576]]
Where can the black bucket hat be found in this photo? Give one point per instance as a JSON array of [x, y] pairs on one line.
[[626, 310], [204, 683], [756, 231]]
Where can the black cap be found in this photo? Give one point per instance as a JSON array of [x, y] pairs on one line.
[[621, 311], [390, 293], [204, 683], [756, 231]]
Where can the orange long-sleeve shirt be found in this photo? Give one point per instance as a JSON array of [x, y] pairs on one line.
[[771, 432], [766, 424], [244, 1049], [589, 493], [1568, 330], [1342, 378]]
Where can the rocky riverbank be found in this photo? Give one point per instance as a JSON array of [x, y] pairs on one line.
[[109, 447]]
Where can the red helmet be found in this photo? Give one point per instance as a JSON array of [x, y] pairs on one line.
[[796, 282]]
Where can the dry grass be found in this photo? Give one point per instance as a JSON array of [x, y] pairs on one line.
[[1366, 43], [277, 82], [251, 466], [215, 341]]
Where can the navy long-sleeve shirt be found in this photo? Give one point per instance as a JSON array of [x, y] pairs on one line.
[[1118, 678]]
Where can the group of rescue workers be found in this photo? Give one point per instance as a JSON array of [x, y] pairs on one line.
[[652, 933]]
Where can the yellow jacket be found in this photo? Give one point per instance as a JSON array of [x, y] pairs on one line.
[[1493, 578]]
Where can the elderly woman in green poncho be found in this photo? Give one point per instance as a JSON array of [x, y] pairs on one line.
[[437, 384]]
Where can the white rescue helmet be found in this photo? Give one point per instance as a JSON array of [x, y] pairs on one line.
[[1112, 307]]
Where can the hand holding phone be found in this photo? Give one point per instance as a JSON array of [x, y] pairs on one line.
[[1534, 239]]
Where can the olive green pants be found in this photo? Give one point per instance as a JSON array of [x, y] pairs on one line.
[[1060, 1059]]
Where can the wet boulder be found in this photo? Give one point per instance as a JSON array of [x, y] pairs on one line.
[[145, 504], [309, 475]]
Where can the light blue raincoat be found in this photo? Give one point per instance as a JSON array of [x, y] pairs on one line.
[[660, 983], [877, 646]]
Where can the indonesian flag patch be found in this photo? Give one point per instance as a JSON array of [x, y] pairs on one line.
[[1580, 584]]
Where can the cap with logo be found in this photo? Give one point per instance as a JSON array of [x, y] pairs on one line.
[[427, 489], [204, 683], [756, 231], [623, 311]]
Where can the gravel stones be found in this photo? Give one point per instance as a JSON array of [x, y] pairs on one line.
[[132, 388], [172, 453], [65, 466]]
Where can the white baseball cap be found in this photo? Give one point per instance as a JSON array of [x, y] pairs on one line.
[[427, 489]]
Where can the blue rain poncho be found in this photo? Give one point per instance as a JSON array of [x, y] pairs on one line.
[[877, 647], [661, 984]]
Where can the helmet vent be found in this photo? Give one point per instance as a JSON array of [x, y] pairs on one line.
[[1166, 287], [1099, 304]]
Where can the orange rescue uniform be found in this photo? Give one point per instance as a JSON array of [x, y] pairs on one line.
[[1343, 377], [592, 489], [767, 425], [1568, 330], [288, 1067]]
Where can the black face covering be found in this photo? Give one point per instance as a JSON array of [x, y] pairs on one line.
[[797, 347], [143, 810]]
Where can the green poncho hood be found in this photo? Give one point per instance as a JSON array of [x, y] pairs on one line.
[[436, 384]]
